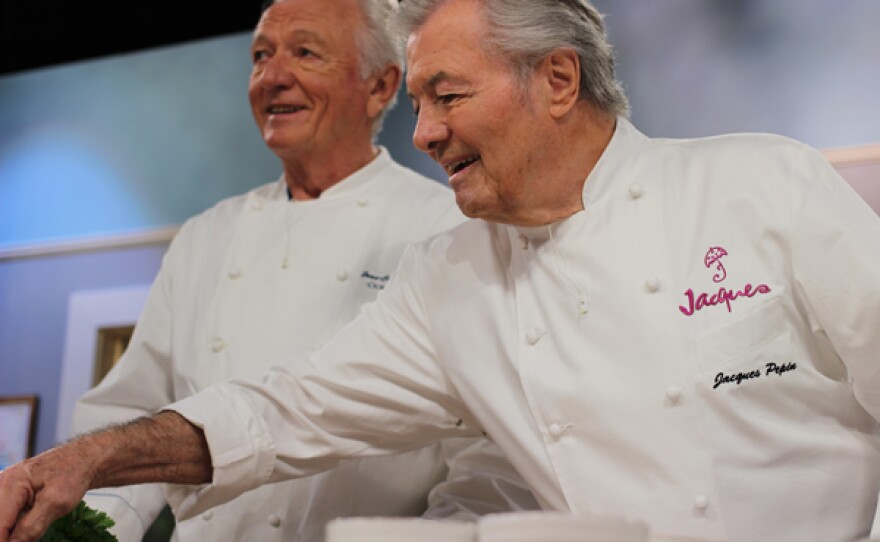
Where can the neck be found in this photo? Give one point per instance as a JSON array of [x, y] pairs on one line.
[[570, 157], [307, 177]]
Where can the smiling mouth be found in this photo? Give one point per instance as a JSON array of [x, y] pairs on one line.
[[283, 109], [459, 165]]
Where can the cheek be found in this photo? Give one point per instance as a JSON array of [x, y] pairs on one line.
[[502, 181], [254, 97], [496, 138]]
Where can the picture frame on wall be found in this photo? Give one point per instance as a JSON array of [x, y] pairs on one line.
[[18, 420]]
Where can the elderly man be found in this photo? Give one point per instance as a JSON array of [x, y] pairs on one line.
[[271, 275], [681, 331]]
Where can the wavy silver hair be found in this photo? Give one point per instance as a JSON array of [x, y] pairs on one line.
[[377, 45], [525, 31]]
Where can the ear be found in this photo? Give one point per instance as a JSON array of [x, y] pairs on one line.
[[383, 87], [561, 71]]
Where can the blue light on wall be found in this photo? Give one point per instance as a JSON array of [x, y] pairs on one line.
[[58, 184], [127, 143]]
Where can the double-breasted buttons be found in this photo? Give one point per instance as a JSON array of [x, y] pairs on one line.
[[555, 430], [234, 273], [701, 503], [534, 334], [652, 285], [673, 393], [362, 202], [342, 275], [274, 521], [217, 345], [636, 191]]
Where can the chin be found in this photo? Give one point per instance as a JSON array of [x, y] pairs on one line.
[[279, 144], [474, 211], [467, 207], [476, 203]]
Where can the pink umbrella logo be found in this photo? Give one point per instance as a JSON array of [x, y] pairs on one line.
[[713, 257]]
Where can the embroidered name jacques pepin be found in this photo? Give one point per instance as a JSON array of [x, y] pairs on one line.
[[738, 378]]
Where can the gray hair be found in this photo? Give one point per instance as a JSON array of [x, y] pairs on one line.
[[525, 31], [377, 46]]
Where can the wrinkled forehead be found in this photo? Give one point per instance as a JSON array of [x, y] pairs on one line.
[[449, 41], [417, 17], [331, 19]]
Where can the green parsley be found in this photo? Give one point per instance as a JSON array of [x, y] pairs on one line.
[[82, 524]]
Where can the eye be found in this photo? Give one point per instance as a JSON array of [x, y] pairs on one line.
[[258, 55], [305, 52], [414, 102], [448, 98]]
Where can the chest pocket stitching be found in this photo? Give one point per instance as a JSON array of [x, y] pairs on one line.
[[741, 337]]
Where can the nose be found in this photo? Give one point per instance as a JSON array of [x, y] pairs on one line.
[[277, 72], [431, 129]]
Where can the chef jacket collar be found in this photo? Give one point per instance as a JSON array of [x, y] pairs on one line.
[[559, 228], [349, 186], [616, 163]]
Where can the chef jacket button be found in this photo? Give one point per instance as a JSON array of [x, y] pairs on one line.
[[274, 521], [673, 393], [234, 273], [362, 202], [534, 335], [218, 344], [701, 502], [256, 206], [208, 515], [342, 275], [555, 430], [652, 285], [524, 241], [636, 190]]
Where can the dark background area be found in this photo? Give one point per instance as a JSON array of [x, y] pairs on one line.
[[36, 34]]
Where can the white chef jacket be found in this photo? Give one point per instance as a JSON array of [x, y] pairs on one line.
[[749, 416], [255, 281]]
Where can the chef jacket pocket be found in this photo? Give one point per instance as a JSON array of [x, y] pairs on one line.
[[740, 337]]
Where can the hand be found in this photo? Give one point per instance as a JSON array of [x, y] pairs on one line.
[[162, 448], [36, 492]]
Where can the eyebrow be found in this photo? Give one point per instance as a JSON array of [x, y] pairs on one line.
[[307, 34], [435, 80], [296, 34]]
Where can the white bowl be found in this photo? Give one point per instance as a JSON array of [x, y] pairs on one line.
[[558, 527], [376, 529]]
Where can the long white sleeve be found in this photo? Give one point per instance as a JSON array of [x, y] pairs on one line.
[[480, 481], [836, 265]]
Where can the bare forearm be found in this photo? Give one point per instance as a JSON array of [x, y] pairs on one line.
[[162, 448]]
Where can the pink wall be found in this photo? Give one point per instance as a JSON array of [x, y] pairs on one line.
[[860, 166]]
